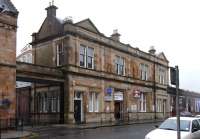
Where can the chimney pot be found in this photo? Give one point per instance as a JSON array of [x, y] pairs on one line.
[[51, 10], [115, 36], [152, 50]]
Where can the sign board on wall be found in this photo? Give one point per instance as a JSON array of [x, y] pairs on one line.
[[118, 96], [107, 98], [108, 94], [109, 91]]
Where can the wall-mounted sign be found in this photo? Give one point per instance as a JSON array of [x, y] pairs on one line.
[[109, 91], [5, 103], [108, 94], [107, 98], [118, 96]]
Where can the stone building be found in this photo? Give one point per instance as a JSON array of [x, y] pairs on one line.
[[105, 79], [189, 101], [8, 28]]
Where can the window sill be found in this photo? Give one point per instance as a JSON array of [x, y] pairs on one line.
[[93, 112]]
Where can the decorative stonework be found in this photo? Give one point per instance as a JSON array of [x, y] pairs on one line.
[[7, 27]]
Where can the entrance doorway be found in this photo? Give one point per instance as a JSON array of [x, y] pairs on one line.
[[77, 111], [78, 107], [23, 96], [118, 110]]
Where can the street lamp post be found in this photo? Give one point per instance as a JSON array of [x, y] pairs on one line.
[[174, 74], [177, 103]]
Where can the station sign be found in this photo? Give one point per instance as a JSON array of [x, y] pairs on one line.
[[108, 94]]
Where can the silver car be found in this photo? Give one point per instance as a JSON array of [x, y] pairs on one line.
[[189, 127]]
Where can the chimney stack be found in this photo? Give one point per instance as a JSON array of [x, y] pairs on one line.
[[51, 10], [115, 36], [152, 50], [34, 36]]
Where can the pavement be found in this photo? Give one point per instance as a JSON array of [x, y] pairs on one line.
[[29, 132], [12, 134], [108, 124]]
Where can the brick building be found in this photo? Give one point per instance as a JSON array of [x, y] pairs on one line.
[[105, 79], [8, 27]]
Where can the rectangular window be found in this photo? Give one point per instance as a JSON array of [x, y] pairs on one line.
[[82, 56], [144, 71], [60, 54], [94, 102], [161, 76], [40, 98], [48, 103], [120, 65], [86, 57], [54, 100], [159, 105], [58, 104], [45, 103], [90, 58], [142, 104]]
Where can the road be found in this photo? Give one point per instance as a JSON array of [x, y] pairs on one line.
[[136, 131]]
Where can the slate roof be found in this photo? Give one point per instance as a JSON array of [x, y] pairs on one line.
[[7, 6]]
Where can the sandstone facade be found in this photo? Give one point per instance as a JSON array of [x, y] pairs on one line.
[[106, 80], [8, 26]]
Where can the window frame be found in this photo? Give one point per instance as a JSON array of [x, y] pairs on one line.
[[90, 56], [86, 57], [143, 102], [120, 65], [93, 102], [144, 71], [162, 76], [159, 104], [59, 54], [83, 55]]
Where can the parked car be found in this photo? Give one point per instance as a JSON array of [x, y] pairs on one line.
[[186, 114], [189, 127], [198, 116]]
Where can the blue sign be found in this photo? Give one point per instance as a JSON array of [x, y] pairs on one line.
[[109, 91], [5, 103]]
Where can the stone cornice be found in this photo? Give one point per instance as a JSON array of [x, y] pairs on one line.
[[71, 69], [7, 26], [7, 65]]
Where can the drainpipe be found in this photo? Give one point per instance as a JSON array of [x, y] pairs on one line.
[[152, 52], [154, 86]]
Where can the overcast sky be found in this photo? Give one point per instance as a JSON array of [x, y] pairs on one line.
[[171, 26]]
